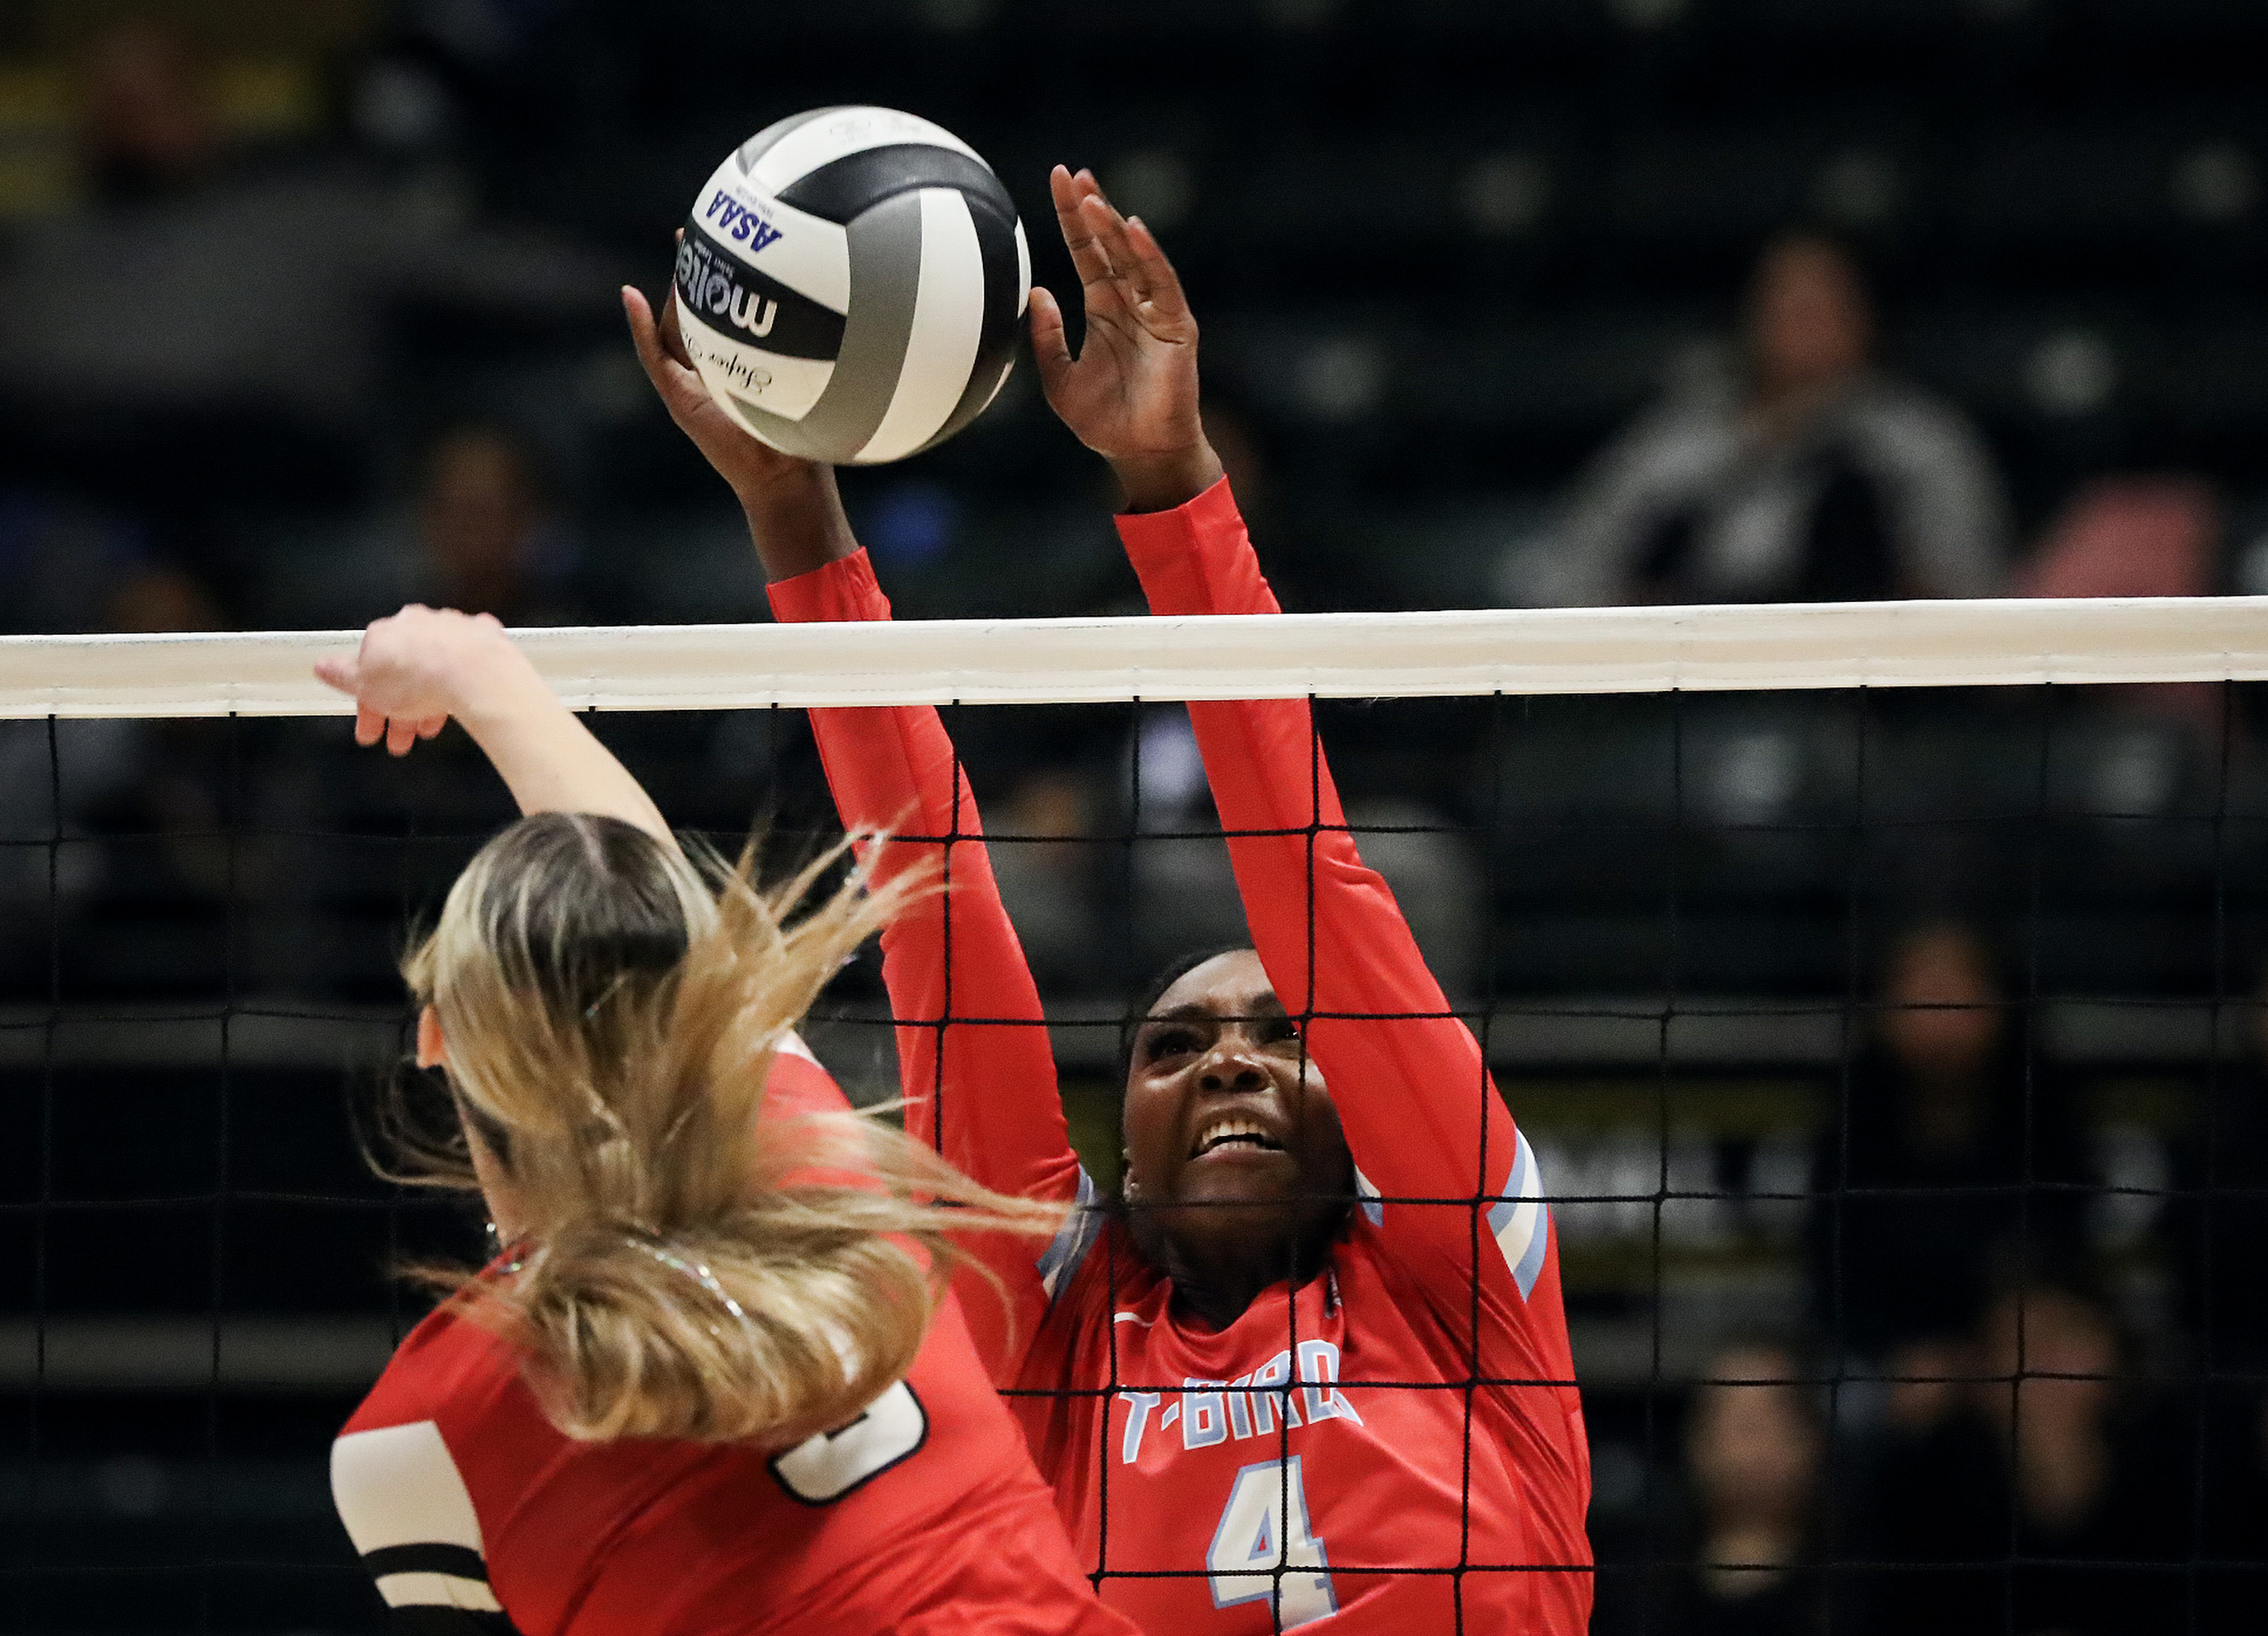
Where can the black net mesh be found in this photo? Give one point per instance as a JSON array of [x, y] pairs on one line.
[[1893, 1064]]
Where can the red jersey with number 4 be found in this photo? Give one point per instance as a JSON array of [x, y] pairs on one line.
[[474, 1516], [1396, 1445]]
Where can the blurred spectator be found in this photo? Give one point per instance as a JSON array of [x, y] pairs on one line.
[[2030, 1500], [67, 569], [204, 334], [2232, 1436], [2216, 1220], [1185, 891], [2130, 537], [147, 786], [2138, 536], [1753, 1449], [1044, 861], [1940, 1173], [1311, 570], [488, 540], [1804, 475], [479, 530]]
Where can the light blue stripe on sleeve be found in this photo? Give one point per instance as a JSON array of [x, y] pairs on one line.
[[1073, 1239], [1366, 1190], [1521, 1221]]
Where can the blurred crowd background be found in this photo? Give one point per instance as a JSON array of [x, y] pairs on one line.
[[1899, 1062]]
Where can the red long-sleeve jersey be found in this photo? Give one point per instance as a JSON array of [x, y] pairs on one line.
[[477, 1518], [1396, 1446]]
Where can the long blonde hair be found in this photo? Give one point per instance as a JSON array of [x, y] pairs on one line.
[[612, 1009]]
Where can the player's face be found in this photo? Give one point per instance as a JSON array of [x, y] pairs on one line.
[[1231, 1136]]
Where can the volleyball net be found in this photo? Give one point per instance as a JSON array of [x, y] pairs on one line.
[[1877, 984]]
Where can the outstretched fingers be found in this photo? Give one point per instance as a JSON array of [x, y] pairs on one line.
[[340, 671], [1090, 256], [404, 732], [647, 339], [1050, 346], [1160, 285], [372, 724], [1141, 276], [1109, 229], [400, 732], [679, 385], [645, 336], [344, 673]]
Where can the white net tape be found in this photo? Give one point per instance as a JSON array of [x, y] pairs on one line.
[[1065, 661]]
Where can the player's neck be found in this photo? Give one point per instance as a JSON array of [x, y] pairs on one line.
[[1218, 1284]]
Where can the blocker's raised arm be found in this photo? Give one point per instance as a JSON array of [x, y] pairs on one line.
[[975, 1061], [1422, 1117], [973, 1049]]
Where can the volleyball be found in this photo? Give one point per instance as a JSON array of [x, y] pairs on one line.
[[849, 283]]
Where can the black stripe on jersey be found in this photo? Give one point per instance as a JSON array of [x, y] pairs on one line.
[[457, 1561], [425, 1618], [996, 341], [723, 293], [841, 188]]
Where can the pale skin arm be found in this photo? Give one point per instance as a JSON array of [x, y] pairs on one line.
[[420, 666]]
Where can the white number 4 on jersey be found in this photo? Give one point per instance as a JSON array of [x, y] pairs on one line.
[[1263, 1540]]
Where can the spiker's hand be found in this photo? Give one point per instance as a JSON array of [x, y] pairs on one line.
[[414, 670]]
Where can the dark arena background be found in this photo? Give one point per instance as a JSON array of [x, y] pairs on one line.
[[1894, 1060]]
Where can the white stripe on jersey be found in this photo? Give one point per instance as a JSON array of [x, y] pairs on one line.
[[397, 1486], [437, 1590], [1367, 1192]]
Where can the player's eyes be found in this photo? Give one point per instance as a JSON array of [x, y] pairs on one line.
[[1167, 1042], [1276, 1031]]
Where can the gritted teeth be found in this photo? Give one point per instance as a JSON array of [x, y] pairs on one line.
[[1229, 1128]]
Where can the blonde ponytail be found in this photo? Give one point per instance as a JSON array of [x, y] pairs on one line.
[[691, 1268]]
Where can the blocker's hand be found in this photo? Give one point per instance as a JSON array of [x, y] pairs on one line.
[[745, 462], [1131, 394], [794, 514], [414, 670]]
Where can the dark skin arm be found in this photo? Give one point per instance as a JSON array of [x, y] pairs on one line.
[[794, 513], [1130, 394]]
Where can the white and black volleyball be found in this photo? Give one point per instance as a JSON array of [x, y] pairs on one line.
[[850, 285]]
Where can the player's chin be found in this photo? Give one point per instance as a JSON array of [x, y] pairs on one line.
[[1242, 1192], [1237, 1171]]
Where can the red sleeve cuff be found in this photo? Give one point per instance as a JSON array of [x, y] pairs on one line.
[[843, 590], [1196, 558]]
